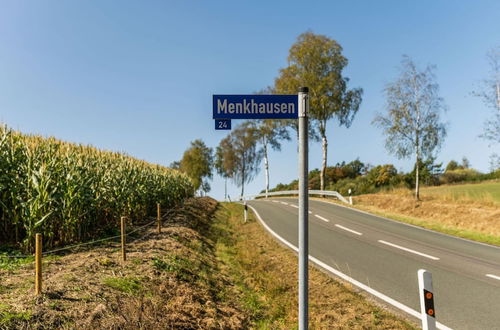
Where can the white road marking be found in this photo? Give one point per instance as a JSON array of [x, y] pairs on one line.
[[293, 205], [284, 203], [409, 250], [349, 279], [275, 201], [350, 230], [409, 225], [493, 276], [320, 217], [310, 212]]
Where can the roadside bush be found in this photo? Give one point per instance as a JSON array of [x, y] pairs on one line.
[[460, 175]]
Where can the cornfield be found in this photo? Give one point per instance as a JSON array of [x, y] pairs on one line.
[[71, 193]]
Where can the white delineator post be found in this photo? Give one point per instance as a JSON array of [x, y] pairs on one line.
[[245, 211], [426, 294], [303, 101]]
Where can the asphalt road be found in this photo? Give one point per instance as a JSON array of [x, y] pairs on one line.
[[385, 255]]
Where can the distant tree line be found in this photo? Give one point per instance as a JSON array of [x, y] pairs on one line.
[[363, 178]]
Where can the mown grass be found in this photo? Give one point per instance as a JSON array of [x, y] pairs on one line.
[[265, 281], [482, 192]]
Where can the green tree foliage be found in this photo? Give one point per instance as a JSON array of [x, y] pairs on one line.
[[238, 157], [452, 165], [429, 173], [412, 124], [225, 161], [382, 175], [197, 163], [316, 61]]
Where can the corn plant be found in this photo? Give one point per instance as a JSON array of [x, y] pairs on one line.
[[72, 193]]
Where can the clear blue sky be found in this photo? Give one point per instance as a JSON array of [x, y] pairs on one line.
[[137, 76]]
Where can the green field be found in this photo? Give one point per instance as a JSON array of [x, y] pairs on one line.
[[482, 192]]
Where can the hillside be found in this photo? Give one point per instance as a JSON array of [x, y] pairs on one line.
[[206, 270]]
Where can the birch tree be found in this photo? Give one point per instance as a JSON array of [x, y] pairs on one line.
[[269, 134], [412, 123], [225, 161], [240, 155], [316, 61]]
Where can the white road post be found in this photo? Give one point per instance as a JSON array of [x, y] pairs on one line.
[[245, 211], [303, 208], [350, 197], [426, 294]]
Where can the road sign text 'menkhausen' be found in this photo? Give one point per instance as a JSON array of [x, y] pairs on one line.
[[255, 107]]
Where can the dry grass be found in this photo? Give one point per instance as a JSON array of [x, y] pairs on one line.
[[170, 280], [266, 278], [476, 218]]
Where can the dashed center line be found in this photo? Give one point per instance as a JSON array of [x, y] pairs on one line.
[[320, 217], [310, 212], [275, 201], [284, 203], [349, 230], [493, 276], [409, 250], [293, 205]]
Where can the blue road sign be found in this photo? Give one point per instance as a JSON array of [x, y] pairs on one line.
[[255, 106], [221, 124]]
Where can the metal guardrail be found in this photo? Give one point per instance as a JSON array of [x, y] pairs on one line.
[[296, 192]]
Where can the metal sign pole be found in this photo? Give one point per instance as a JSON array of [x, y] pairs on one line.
[[303, 208]]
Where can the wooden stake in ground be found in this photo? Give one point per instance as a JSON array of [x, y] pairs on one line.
[[38, 264], [158, 216], [124, 253]]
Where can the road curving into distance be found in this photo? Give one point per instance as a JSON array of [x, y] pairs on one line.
[[382, 257]]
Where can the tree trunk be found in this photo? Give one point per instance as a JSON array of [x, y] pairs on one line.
[[225, 189], [242, 186], [324, 146], [242, 180], [417, 183], [266, 168]]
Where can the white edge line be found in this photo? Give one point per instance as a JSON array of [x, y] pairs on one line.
[[350, 230], [407, 224], [320, 217], [293, 205], [343, 276], [408, 250], [310, 212], [493, 276]]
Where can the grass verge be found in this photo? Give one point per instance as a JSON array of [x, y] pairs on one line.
[[265, 278], [475, 219], [436, 226]]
